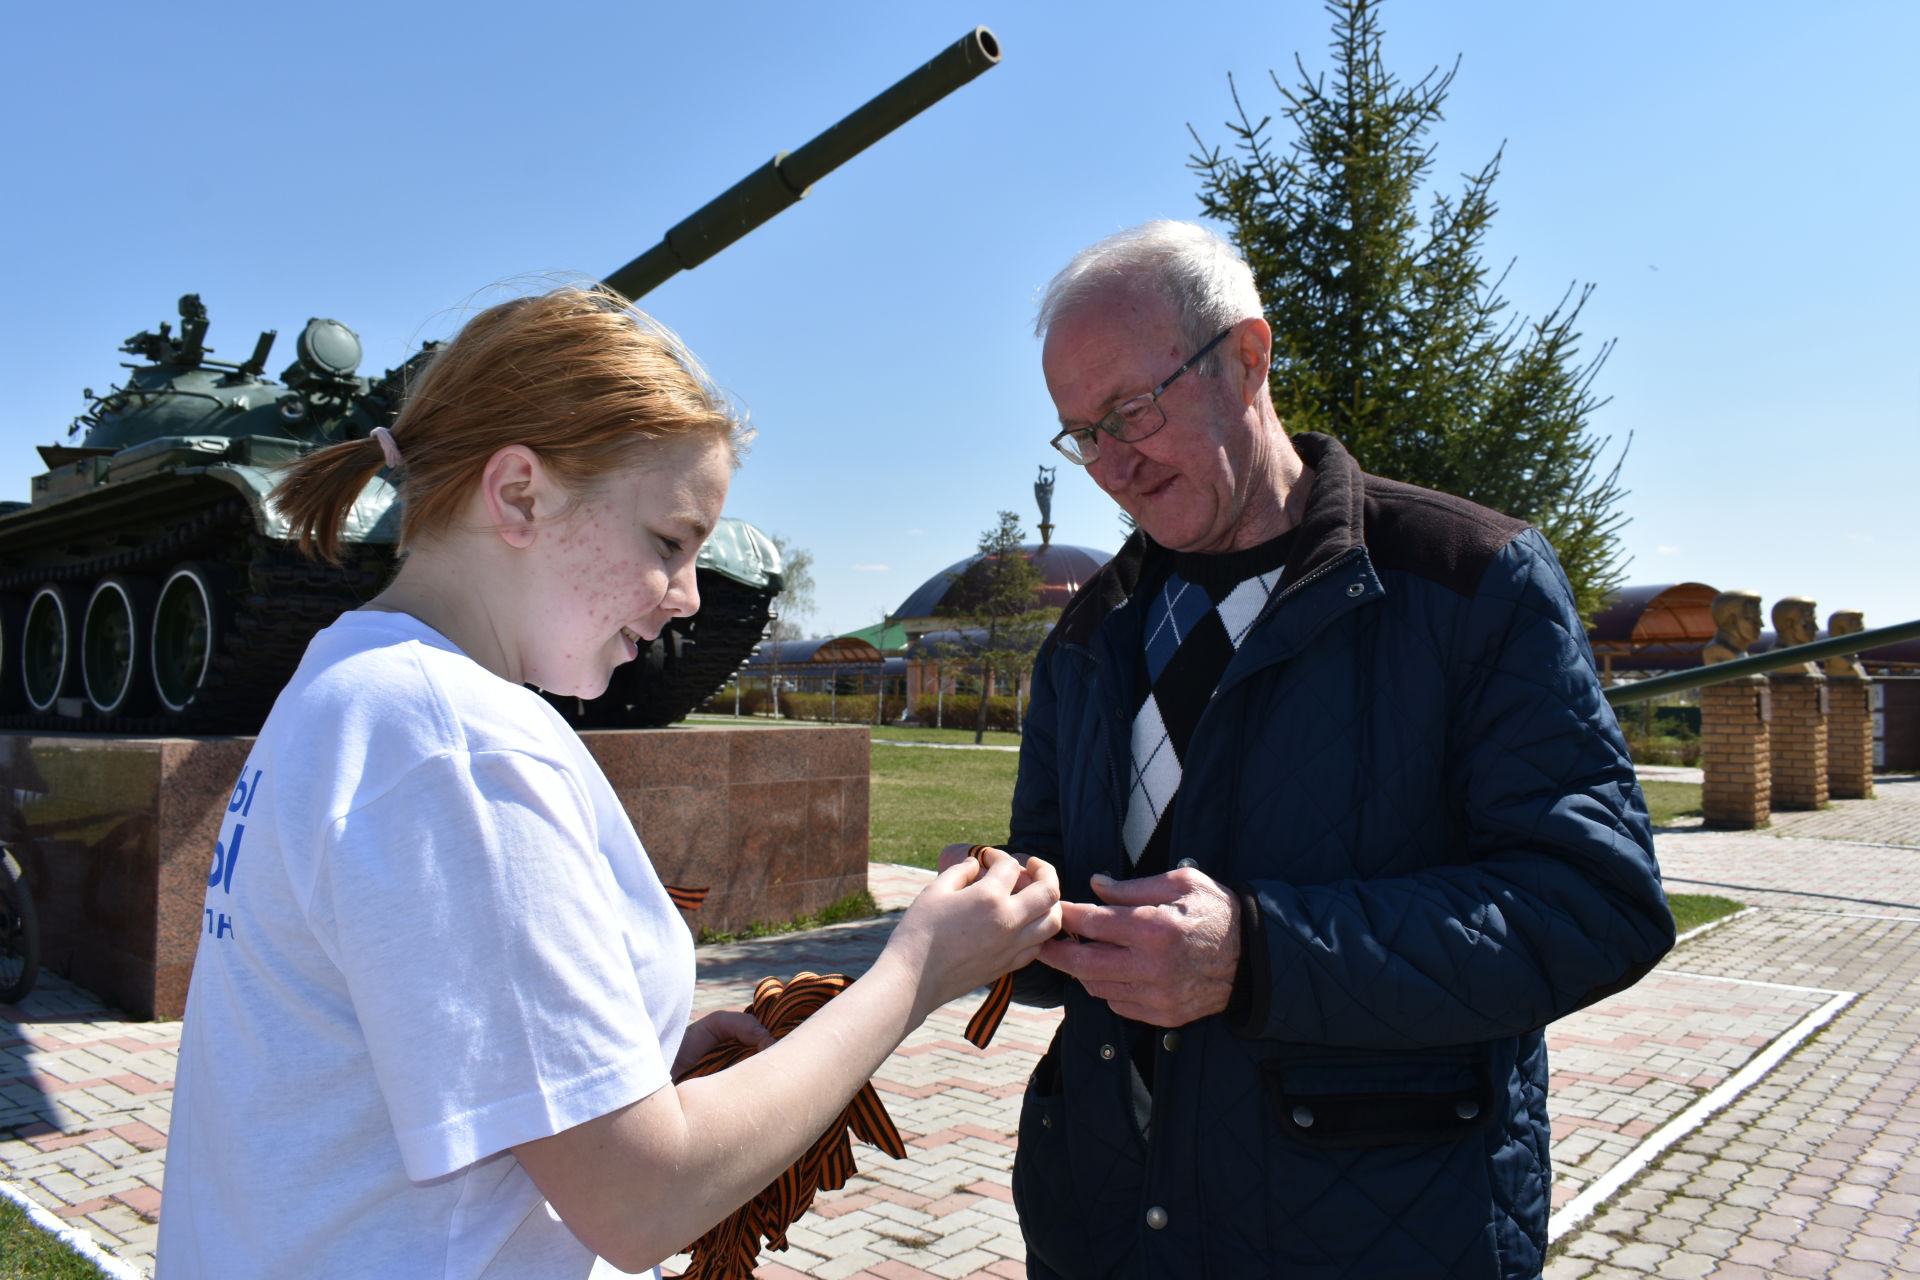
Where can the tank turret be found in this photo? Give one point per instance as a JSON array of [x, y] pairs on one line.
[[148, 583]]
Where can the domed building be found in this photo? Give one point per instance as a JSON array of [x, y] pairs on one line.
[[938, 654], [1063, 569]]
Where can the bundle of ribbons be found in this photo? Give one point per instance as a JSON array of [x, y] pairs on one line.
[[732, 1248]]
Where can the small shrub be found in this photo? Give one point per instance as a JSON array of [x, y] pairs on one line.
[[845, 708], [962, 711], [754, 699]]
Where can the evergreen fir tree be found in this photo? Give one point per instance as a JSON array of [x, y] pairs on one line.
[[1388, 332]]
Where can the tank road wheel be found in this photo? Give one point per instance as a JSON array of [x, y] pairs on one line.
[[48, 642], [112, 645], [11, 612], [190, 619]]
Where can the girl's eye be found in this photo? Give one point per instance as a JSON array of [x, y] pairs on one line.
[[672, 545]]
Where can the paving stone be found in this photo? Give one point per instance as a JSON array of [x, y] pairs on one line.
[[1815, 1166]]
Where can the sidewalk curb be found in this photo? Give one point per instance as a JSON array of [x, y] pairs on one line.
[[75, 1238]]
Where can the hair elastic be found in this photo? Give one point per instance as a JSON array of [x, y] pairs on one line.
[[388, 449]]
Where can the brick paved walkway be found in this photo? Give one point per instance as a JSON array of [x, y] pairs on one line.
[[1747, 1147]]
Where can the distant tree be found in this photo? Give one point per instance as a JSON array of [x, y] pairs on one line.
[[1388, 332], [999, 597], [795, 603], [792, 607]]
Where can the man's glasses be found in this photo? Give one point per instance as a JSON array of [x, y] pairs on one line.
[[1132, 419]]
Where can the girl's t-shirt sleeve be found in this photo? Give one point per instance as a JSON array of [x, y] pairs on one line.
[[493, 975]]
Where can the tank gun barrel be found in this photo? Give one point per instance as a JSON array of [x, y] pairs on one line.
[[784, 180], [1761, 663]]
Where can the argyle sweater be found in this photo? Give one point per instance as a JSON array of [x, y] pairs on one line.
[[1196, 619]]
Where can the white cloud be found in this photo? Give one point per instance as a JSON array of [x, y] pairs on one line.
[[914, 533], [868, 568], [1667, 551]]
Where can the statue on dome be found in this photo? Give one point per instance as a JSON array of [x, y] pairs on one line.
[[1043, 494]]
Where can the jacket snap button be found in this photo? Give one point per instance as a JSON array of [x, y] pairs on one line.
[[1466, 1108], [1156, 1217], [1355, 588], [1186, 862], [1170, 1041], [1303, 1116], [1046, 1122], [1106, 1051]]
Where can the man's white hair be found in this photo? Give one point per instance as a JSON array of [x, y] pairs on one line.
[[1205, 279]]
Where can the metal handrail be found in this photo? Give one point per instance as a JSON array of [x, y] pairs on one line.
[[1759, 663]]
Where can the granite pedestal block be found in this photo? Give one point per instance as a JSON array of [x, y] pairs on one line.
[[117, 835]]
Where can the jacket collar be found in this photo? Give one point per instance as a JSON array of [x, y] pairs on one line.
[[1333, 524]]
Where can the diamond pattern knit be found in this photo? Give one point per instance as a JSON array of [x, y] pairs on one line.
[[1196, 619]]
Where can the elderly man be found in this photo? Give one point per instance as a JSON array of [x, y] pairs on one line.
[[1327, 773]]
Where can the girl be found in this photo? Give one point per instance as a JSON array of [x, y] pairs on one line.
[[439, 1029]]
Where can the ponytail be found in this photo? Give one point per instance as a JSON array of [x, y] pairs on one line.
[[315, 493]]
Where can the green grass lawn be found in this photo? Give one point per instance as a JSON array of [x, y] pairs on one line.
[[958, 737], [920, 801], [1691, 910], [28, 1253], [1667, 801]]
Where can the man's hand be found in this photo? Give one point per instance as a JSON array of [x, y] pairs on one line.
[[1163, 951]]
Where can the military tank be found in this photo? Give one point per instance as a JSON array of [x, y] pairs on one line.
[[148, 584]]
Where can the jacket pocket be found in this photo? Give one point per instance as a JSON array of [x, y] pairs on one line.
[[1332, 1103], [1044, 1199]]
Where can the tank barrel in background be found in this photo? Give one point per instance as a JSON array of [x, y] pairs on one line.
[[1761, 663], [784, 180]]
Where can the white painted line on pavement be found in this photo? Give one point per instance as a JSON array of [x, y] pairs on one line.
[[1582, 1206], [71, 1236], [1755, 982], [1710, 925]]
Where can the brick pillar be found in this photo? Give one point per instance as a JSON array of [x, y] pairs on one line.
[[1735, 751], [1849, 737], [1799, 731]]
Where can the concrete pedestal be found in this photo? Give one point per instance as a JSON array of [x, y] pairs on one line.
[[119, 835], [1799, 731], [1849, 737], [1735, 754]]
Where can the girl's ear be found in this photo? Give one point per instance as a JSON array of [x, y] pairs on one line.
[[516, 490]]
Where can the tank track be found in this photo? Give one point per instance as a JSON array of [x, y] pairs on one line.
[[693, 658], [277, 600]]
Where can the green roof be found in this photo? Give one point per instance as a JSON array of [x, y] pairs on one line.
[[887, 639]]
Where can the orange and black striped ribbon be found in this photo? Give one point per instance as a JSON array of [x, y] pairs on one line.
[[731, 1250], [986, 1019], [684, 898]]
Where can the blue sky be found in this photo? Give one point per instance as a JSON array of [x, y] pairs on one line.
[[1737, 179]]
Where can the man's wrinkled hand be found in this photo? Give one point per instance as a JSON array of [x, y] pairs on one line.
[[1161, 950]]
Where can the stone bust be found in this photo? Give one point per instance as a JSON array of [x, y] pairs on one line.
[[1794, 623], [1736, 622], [1844, 622]]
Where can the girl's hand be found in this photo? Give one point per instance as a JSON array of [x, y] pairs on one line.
[[975, 922], [726, 1027]]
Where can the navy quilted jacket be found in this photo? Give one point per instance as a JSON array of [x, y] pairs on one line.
[[1409, 774]]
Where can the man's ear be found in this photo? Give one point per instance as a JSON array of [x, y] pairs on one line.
[[517, 491], [1252, 357]]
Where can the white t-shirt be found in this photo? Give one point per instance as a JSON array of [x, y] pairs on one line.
[[430, 934]]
